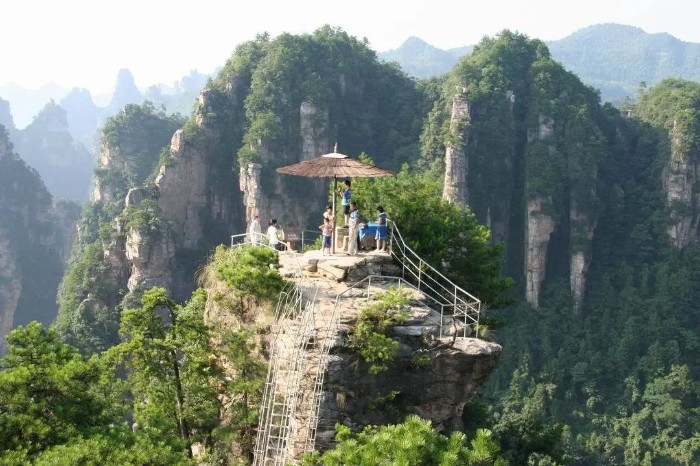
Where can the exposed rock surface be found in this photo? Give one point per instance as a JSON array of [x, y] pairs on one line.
[[540, 226], [10, 287], [449, 375], [183, 192], [273, 200], [681, 181], [582, 229], [456, 161], [34, 239]]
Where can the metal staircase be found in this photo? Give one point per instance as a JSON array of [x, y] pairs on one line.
[[292, 335], [304, 331]]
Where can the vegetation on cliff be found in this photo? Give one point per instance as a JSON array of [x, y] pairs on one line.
[[92, 290], [175, 383], [32, 237], [612, 380], [615, 379], [411, 443]]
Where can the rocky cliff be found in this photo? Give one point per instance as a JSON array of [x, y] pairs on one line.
[[532, 159], [35, 237], [157, 212], [671, 108], [456, 162], [431, 376]]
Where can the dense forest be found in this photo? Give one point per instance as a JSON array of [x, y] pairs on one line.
[[581, 227]]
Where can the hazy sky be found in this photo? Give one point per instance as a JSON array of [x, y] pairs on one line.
[[85, 42]]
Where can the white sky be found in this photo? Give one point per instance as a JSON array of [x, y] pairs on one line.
[[85, 42]]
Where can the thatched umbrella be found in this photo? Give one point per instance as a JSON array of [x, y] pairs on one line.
[[334, 165]]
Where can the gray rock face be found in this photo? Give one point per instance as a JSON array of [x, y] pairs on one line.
[[183, 191], [540, 226], [313, 127], [437, 392], [433, 376], [253, 199], [681, 181], [582, 235], [456, 161], [151, 258], [273, 200]]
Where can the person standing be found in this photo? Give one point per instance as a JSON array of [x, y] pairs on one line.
[[254, 231], [380, 236], [272, 234], [328, 214], [354, 229], [326, 231], [346, 200]]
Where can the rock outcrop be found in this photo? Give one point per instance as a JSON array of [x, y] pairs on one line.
[[433, 375], [456, 161], [540, 225], [273, 200], [10, 287], [34, 238], [681, 181]]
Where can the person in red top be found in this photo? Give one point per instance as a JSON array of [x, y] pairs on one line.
[[327, 232]]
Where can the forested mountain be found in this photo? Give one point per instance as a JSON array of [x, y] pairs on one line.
[[594, 208], [35, 239], [598, 209], [422, 60], [327, 87], [613, 58], [64, 164]]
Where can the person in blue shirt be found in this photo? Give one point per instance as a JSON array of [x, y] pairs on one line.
[[346, 199], [380, 236]]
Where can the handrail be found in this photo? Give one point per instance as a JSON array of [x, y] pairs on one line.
[[465, 306], [305, 233], [332, 329]]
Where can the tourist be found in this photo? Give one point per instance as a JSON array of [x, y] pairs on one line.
[[254, 231], [380, 236], [354, 229], [327, 232], [346, 200], [328, 214], [272, 234]]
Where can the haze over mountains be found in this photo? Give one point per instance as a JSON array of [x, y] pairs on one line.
[[611, 57]]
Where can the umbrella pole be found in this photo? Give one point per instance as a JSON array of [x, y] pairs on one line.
[[335, 188]]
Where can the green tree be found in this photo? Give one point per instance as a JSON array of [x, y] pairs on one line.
[[411, 443], [248, 270], [48, 393], [173, 377], [443, 234]]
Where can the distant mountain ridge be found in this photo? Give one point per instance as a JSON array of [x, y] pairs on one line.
[[422, 60], [614, 58]]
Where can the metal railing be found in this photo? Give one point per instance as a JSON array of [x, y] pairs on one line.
[[452, 299], [332, 329], [309, 237], [293, 331]]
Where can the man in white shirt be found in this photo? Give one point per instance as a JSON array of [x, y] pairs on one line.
[[354, 229], [272, 234], [254, 231]]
